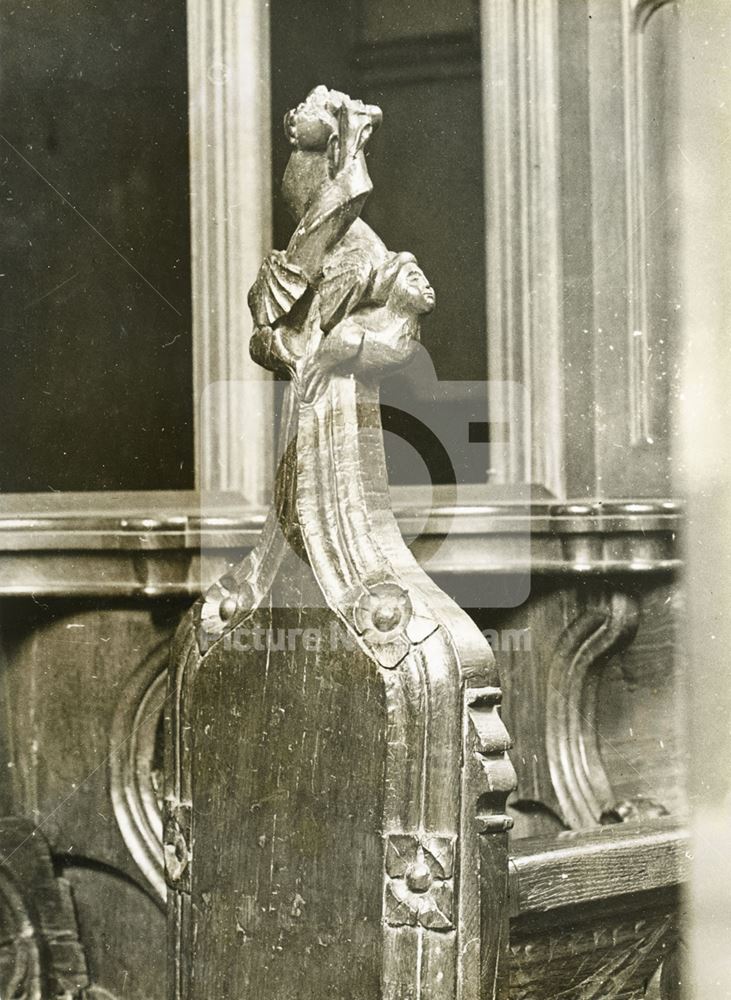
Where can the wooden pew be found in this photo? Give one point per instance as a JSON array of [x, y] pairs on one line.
[[336, 766], [595, 913]]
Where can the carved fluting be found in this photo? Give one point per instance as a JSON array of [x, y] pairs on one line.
[[229, 123], [572, 739], [525, 297], [334, 313]]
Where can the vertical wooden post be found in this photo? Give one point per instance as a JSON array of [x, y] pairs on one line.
[[522, 198], [336, 759], [230, 165]]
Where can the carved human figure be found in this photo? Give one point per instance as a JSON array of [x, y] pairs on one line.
[[325, 185], [336, 299], [380, 336]]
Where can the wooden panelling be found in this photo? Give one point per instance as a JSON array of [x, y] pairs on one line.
[[592, 680], [634, 149], [580, 153], [81, 671], [288, 848], [123, 933], [640, 716]]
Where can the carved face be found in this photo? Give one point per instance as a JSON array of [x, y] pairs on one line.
[[412, 291]]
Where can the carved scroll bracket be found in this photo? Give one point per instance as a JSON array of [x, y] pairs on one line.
[[572, 738]]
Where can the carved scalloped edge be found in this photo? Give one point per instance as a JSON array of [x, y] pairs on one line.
[[490, 743]]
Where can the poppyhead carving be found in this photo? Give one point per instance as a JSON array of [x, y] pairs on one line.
[[336, 300]]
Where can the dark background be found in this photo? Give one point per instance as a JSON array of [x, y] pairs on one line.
[[420, 62], [97, 391], [97, 373]]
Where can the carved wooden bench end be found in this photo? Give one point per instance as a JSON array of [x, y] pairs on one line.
[[337, 766]]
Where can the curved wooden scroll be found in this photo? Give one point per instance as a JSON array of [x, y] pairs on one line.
[[572, 740], [40, 953], [337, 764]]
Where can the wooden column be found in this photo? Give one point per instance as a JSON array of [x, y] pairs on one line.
[[230, 166], [524, 308]]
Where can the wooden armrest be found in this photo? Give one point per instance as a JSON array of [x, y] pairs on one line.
[[608, 862]]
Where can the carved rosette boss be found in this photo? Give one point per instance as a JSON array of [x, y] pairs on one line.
[[334, 313]]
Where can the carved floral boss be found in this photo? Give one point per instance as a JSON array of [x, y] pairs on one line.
[[419, 881], [381, 615], [385, 621]]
